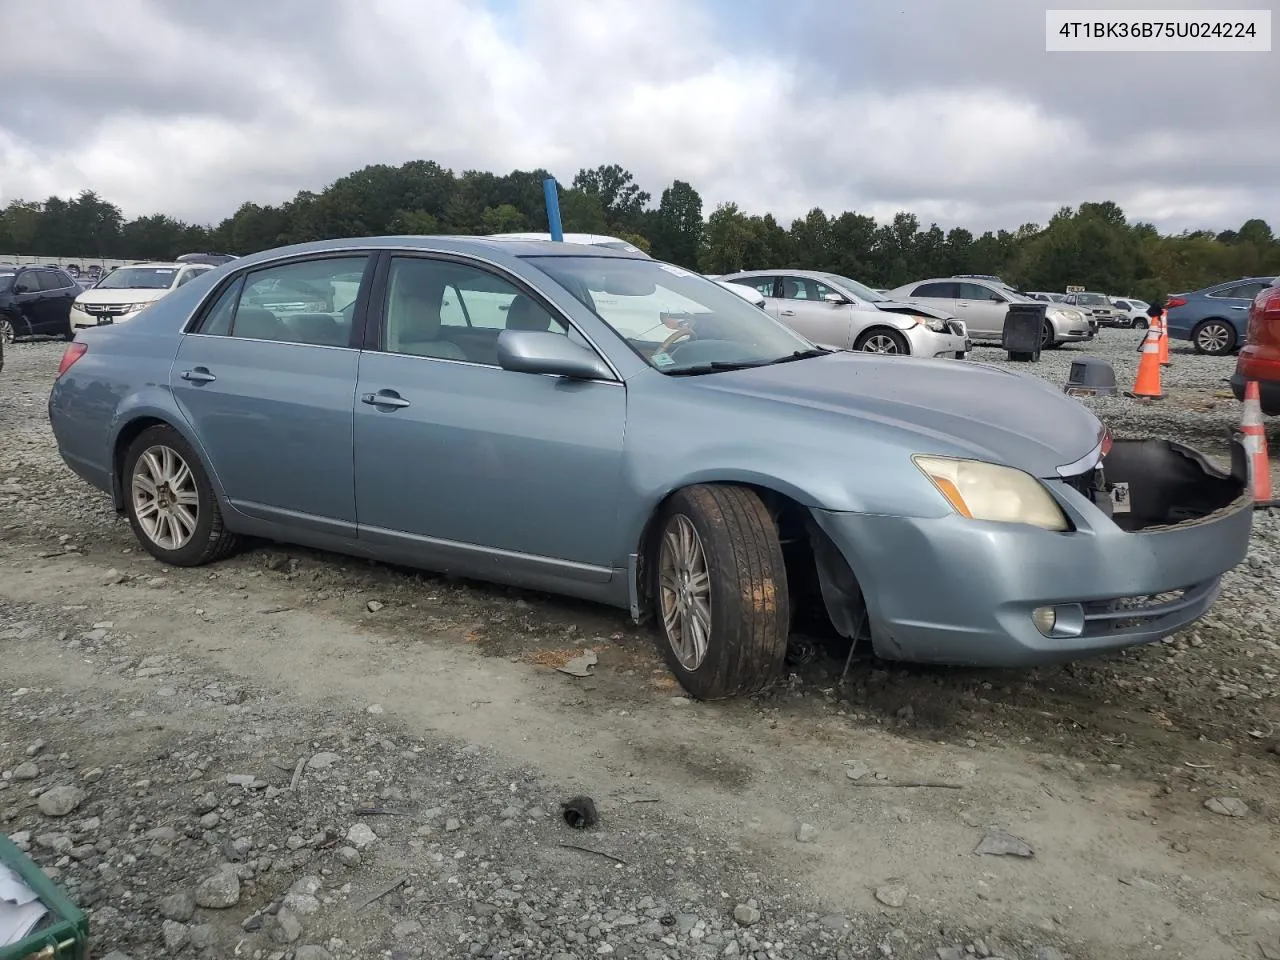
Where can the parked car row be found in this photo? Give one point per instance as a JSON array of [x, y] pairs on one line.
[[49, 301], [983, 303]]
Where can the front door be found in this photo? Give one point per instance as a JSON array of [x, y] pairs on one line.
[[982, 309], [463, 466], [269, 391], [805, 311]]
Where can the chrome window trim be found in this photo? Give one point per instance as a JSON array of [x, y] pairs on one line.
[[419, 252]]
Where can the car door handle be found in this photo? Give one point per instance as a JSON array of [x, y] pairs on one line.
[[788, 313], [1239, 308], [198, 375], [384, 398]]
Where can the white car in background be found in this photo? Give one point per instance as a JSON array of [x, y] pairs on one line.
[[1135, 311], [126, 291], [750, 294]]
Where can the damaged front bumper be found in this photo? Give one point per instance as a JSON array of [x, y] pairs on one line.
[[1154, 529]]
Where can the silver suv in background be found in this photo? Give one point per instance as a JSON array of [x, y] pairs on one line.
[[1101, 307], [839, 312], [982, 305]]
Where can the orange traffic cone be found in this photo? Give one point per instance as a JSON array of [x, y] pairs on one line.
[[1147, 383], [1255, 445], [1164, 338]]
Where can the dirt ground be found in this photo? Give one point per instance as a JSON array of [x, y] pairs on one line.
[[438, 693]]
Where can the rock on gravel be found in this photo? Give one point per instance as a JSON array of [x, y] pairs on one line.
[[361, 835], [26, 771], [219, 890], [1000, 843], [175, 935], [178, 906], [311, 952], [892, 894], [1227, 806], [746, 913], [806, 833], [60, 801]]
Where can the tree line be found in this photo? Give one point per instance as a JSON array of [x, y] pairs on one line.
[[1093, 245]]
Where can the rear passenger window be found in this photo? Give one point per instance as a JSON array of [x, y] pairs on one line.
[[451, 311], [311, 302], [944, 291], [1242, 291]]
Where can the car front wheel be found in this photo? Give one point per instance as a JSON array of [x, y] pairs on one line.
[[721, 591], [1214, 337], [7, 332], [170, 501], [882, 341], [1048, 339]]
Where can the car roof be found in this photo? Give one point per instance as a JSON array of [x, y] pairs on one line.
[[772, 272], [474, 246], [161, 264]]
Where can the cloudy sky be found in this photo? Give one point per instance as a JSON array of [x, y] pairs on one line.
[[951, 110]]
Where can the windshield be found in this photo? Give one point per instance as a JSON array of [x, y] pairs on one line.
[[678, 321], [139, 278], [859, 290], [1093, 300]]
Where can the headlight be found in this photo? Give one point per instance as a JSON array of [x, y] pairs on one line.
[[937, 326], [987, 491], [77, 305]]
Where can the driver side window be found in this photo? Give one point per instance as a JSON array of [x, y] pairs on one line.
[[976, 291]]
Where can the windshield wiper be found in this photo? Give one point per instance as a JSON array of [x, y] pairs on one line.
[[715, 366]]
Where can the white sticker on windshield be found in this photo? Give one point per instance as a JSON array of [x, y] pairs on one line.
[[164, 271], [674, 271], [662, 360]]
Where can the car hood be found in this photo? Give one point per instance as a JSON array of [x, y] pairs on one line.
[[987, 413], [123, 295], [901, 306]]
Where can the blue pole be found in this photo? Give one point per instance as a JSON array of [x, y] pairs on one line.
[[551, 192]]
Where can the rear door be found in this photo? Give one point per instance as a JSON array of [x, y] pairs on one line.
[[58, 290], [270, 393], [767, 285]]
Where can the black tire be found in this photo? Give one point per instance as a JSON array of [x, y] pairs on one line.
[[69, 334], [900, 345], [1047, 340], [211, 540], [1141, 324], [749, 609], [1219, 337]]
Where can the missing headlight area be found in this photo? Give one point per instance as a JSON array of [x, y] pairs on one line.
[[1163, 484]]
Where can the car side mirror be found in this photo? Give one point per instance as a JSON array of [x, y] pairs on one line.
[[540, 351], [834, 298]]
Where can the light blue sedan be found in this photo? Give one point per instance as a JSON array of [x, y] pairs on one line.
[[595, 423]]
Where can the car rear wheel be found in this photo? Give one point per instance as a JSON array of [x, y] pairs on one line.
[[1214, 337], [882, 341], [721, 591], [170, 501]]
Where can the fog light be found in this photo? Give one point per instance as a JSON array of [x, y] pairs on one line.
[[1045, 619]]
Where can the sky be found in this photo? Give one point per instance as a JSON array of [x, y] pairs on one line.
[[950, 110]]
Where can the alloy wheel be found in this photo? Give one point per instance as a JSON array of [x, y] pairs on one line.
[[880, 343], [165, 499], [684, 584], [7, 333], [1213, 338]]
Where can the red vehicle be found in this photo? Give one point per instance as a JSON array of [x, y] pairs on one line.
[[1260, 357]]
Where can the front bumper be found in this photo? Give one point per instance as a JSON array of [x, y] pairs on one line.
[[1073, 332], [925, 343], [959, 591], [1268, 392], [81, 320]]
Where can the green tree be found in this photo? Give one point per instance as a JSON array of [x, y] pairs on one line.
[[677, 231], [503, 218], [620, 196]]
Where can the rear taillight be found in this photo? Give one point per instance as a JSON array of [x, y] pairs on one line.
[[1266, 305], [70, 355], [1175, 302]]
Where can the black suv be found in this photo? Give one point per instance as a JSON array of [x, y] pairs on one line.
[[36, 300]]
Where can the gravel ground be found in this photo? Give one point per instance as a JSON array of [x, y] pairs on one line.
[[239, 760]]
